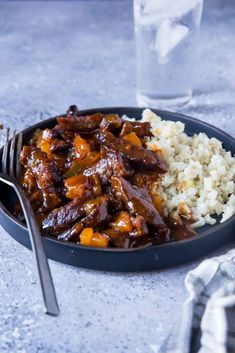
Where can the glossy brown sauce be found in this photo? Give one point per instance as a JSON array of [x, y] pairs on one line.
[[90, 180]]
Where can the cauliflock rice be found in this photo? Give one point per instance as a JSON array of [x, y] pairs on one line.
[[201, 175]]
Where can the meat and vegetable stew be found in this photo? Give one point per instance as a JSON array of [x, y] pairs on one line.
[[92, 181]]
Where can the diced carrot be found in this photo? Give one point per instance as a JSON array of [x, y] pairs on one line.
[[76, 186], [133, 138], [123, 223], [99, 240], [86, 236], [82, 147]]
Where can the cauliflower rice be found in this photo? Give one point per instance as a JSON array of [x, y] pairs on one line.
[[201, 175]]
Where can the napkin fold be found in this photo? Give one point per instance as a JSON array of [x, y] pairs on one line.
[[207, 323]]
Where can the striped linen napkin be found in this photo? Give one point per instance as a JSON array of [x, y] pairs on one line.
[[207, 323]]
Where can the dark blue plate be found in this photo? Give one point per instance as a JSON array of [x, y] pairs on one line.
[[208, 239]]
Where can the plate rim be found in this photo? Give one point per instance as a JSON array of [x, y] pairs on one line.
[[206, 233]]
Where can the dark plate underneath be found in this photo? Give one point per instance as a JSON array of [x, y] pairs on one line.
[[154, 257]]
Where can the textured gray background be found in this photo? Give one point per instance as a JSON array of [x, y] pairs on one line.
[[53, 54]]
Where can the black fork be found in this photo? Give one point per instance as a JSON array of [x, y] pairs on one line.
[[10, 172]]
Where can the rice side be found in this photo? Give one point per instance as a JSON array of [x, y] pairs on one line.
[[201, 175]]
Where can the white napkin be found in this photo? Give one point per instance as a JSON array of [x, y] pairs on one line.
[[209, 311]]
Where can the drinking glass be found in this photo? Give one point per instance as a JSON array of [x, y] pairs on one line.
[[166, 34]]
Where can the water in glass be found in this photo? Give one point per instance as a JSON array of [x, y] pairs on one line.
[[166, 34]]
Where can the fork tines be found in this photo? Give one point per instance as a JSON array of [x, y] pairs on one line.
[[11, 153]]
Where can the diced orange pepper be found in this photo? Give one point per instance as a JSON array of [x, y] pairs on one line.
[[99, 240], [82, 147], [123, 223], [76, 186], [45, 146], [86, 236], [133, 138], [157, 201], [44, 142], [89, 238]]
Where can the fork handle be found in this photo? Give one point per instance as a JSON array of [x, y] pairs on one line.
[[44, 273]]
